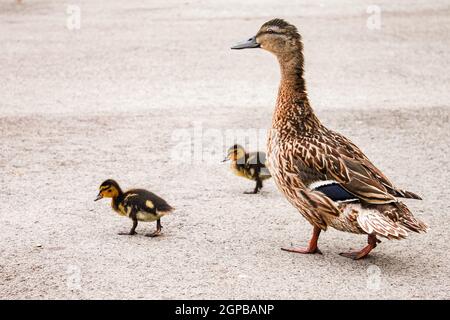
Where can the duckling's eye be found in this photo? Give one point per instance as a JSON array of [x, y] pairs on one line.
[[269, 31]]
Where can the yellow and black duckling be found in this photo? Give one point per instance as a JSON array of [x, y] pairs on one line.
[[136, 204], [322, 173], [248, 165]]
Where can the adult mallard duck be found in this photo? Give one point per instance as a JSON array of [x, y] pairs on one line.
[[136, 204], [248, 165], [321, 173]]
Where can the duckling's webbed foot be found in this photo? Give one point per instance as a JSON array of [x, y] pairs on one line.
[[131, 233], [158, 231], [356, 255], [154, 234], [312, 246]]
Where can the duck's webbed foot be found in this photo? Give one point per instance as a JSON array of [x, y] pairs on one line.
[[154, 234], [304, 250], [131, 233], [312, 246], [158, 231], [356, 255]]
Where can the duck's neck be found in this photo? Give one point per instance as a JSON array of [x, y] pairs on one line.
[[293, 109], [116, 200], [292, 72]]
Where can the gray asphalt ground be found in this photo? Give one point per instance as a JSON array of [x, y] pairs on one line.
[[117, 99]]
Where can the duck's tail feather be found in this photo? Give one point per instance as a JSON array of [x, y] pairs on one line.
[[399, 193], [408, 221], [373, 222], [392, 221]]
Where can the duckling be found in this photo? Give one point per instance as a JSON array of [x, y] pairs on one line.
[[248, 165], [136, 204], [326, 177]]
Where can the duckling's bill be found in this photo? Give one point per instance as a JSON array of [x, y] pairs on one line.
[[247, 44], [228, 156]]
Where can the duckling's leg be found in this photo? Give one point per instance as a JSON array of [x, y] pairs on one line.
[[259, 184], [132, 231], [257, 187], [158, 230], [312, 246], [356, 255]]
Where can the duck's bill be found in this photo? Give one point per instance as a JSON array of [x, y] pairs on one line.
[[98, 197], [248, 44], [227, 158]]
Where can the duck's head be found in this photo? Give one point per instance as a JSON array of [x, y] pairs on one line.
[[108, 189], [276, 36], [235, 153]]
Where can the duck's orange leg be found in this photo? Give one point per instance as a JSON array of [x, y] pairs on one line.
[[312, 246], [356, 255]]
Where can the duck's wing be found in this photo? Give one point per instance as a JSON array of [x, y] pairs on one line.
[[257, 162], [134, 201], [256, 159], [334, 157], [262, 163], [334, 191], [350, 149], [143, 200]]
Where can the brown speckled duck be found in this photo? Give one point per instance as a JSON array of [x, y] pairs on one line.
[[324, 175]]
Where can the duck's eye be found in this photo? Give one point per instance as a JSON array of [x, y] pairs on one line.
[[269, 30]]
